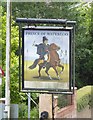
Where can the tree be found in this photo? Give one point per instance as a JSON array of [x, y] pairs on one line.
[[16, 96], [14, 61], [83, 50], [83, 40], [81, 14]]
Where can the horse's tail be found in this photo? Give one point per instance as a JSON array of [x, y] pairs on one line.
[[34, 64]]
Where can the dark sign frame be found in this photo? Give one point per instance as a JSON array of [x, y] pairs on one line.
[[72, 58]]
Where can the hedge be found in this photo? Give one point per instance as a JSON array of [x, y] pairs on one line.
[[84, 97]]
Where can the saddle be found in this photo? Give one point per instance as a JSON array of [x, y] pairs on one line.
[[40, 61]]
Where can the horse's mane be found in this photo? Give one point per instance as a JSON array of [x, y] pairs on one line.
[[53, 46]]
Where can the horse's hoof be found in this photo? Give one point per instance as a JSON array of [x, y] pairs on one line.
[[58, 77], [50, 77], [39, 77], [61, 72]]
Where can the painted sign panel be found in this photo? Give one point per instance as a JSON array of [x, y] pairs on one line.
[[46, 59]]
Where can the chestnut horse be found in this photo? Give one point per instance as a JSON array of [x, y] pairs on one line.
[[54, 61]]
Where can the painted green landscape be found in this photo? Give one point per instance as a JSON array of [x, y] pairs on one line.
[[32, 75]]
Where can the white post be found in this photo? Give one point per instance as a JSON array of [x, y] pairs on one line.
[[1, 74], [0, 79], [29, 105], [8, 37]]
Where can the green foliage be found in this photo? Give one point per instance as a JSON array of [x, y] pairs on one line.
[[14, 60], [83, 41], [41, 10], [84, 52], [84, 27], [23, 111], [0, 91], [83, 14], [91, 98], [62, 101], [0, 38], [34, 113], [84, 97], [16, 96]]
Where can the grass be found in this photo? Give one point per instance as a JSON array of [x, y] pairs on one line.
[[32, 75], [84, 97]]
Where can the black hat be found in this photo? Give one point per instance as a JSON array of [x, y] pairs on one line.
[[44, 38]]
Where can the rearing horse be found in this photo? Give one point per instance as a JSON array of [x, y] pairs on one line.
[[54, 61]]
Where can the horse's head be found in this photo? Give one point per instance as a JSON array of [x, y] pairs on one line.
[[53, 46]]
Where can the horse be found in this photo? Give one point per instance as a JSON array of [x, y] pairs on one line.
[[53, 61]]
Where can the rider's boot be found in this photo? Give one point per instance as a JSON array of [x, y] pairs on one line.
[[34, 64]]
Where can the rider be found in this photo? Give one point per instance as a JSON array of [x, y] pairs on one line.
[[42, 51]]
